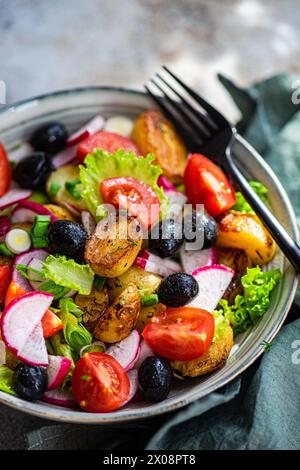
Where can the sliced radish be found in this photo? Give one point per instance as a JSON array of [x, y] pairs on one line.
[[121, 125], [96, 124], [194, 259], [134, 384], [4, 227], [25, 259], [36, 262], [213, 282], [155, 264], [27, 210], [18, 241], [177, 202], [88, 222], [127, 351], [166, 184], [21, 328], [22, 151], [146, 351], [60, 398], [72, 209], [34, 351], [13, 197], [65, 156], [57, 371]]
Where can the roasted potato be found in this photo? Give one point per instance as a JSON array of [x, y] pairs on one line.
[[60, 212], [145, 315], [27, 226], [120, 318], [244, 231], [239, 261], [60, 177], [11, 360], [146, 282], [93, 306], [214, 358], [153, 133], [109, 252]]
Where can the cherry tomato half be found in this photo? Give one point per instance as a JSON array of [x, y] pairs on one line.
[[99, 383], [205, 183], [109, 141], [180, 334], [5, 171], [132, 195]]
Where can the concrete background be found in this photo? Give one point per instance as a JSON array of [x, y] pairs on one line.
[[52, 44]]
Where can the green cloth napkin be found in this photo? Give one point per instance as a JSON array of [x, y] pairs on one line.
[[260, 409]]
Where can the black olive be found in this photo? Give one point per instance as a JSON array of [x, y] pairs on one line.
[[202, 227], [32, 171], [166, 238], [177, 289], [67, 238], [30, 382], [155, 376], [50, 138]]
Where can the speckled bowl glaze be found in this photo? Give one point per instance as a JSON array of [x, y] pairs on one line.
[[74, 107]]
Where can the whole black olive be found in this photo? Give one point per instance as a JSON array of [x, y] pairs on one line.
[[177, 289], [67, 238], [202, 227], [30, 382], [155, 376], [50, 138], [32, 171], [166, 238]]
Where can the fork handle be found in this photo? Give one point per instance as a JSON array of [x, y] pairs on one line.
[[290, 248]]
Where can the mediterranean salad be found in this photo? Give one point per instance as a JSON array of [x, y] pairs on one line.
[[126, 263]]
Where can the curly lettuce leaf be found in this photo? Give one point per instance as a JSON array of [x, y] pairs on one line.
[[242, 205], [102, 165], [68, 273], [221, 323], [251, 306], [6, 380]]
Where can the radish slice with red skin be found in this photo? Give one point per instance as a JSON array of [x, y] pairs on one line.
[[4, 227], [166, 184], [94, 125], [134, 384], [21, 328], [25, 259], [36, 262], [27, 210], [65, 156], [127, 351], [72, 209], [57, 370], [191, 260], [14, 196], [146, 351], [155, 264], [60, 397], [213, 282]]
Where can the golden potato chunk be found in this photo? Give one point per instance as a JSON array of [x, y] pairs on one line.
[[146, 313], [58, 179], [120, 318], [244, 231], [146, 282], [213, 359], [60, 212], [93, 306], [153, 133], [108, 251]]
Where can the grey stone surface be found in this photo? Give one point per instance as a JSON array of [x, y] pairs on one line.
[[52, 44]]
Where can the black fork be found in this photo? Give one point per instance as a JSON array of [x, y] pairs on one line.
[[206, 131]]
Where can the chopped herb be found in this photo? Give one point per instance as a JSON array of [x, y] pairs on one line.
[[149, 300], [68, 306], [54, 188], [5, 251], [133, 242], [99, 282], [23, 269], [71, 187], [266, 345], [53, 288], [86, 377]]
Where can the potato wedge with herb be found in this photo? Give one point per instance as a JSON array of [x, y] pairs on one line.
[[119, 318], [146, 282], [93, 306], [112, 249], [244, 231], [61, 186], [146, 313], [153, 133], [214, 358]]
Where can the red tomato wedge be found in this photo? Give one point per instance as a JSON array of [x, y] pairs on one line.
[[4, 281], [99, 383], [51, 323], [5, 171], [180, 334], [134, 196], [108, 141], [205, 183]]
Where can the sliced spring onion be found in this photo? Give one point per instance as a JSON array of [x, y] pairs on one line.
[[18, 241], [39, 231], [71, 187], [54, 188], [149, 300]]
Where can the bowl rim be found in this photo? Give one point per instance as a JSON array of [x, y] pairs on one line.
[[67, 415]]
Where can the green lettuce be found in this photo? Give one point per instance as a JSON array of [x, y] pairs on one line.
[[101, 165], [251, 306], [242, 205], [6, 380], [221, 323], [68, 273]]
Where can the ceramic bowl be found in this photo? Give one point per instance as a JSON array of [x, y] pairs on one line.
[[74, 107]]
